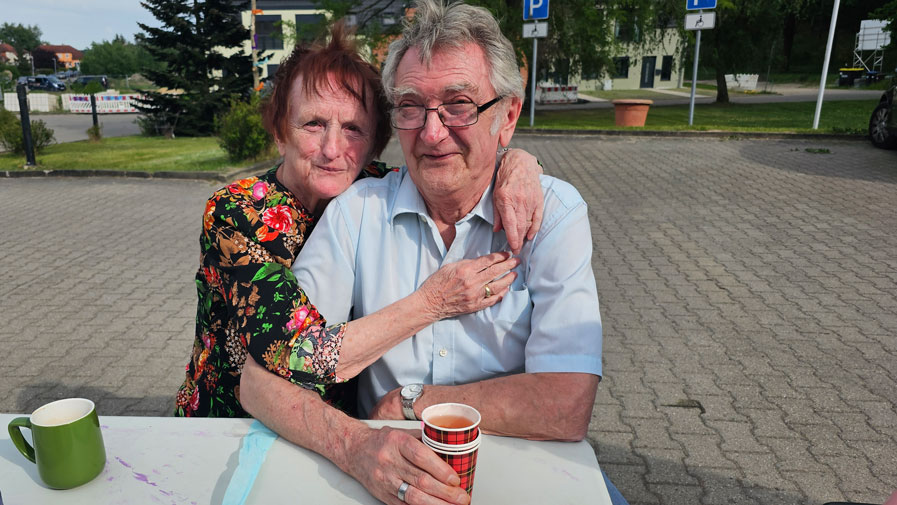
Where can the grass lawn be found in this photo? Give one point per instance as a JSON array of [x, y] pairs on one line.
[[146, 154], [849, 116]]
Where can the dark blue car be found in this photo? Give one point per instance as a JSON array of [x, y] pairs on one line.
[[883, 123]]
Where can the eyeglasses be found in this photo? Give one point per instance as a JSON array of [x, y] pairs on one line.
[[412, 117]]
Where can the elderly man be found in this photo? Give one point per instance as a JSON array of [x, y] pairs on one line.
[[530, 364]]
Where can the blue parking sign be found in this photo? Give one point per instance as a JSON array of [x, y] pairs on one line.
[[694, 5], [535, 9]]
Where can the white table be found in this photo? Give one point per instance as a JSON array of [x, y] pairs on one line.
[[163, 460]]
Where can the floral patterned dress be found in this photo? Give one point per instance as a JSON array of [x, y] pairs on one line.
[[250, 302]]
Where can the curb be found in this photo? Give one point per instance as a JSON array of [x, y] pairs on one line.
[[697, 134], [203, 176]]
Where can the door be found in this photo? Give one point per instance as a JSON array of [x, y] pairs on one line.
[[648, 64]]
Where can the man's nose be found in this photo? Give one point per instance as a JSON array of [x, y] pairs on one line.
[[433, 130]]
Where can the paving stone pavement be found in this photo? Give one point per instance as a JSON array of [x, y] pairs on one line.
[[748, 291]]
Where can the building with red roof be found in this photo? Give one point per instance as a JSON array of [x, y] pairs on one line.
[[65, 55], [8, 54]]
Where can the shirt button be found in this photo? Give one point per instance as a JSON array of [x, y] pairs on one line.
[[443, 353]]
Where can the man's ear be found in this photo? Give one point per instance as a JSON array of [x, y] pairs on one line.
[[509, 120]]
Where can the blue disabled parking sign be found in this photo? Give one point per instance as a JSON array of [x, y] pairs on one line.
[[537, 9], [694, 5]]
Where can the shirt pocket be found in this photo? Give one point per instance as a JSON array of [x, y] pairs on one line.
[[507, 327]]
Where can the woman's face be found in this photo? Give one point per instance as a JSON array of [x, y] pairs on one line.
[[328, 141]]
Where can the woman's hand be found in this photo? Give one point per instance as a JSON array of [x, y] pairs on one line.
[[460, 288], [517, 197]]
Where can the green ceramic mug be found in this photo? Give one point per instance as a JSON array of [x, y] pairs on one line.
[[68, 445]]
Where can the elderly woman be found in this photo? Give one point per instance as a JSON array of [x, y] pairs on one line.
[[329, 119]]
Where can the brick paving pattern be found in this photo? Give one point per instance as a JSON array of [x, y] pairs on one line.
[[748, 290]]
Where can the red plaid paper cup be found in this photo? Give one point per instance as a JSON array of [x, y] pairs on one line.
[[463, 463], [451, 423], [449, 447]]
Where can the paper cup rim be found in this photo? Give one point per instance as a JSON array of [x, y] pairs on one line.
[[37, 412], [474, 424], [429, 442], [454, 453]]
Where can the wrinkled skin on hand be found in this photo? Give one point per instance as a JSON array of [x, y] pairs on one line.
[[459, 288], [386, 457], [517, 197]]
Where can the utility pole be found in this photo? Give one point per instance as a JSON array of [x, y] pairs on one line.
[[828, 54], [255, 52]]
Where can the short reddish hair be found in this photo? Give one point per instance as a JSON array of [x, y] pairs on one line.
[[316, 63]]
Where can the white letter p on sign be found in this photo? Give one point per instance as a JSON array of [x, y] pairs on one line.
[[533, 5]]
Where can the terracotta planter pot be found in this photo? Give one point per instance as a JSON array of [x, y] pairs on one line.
[[631, 112]]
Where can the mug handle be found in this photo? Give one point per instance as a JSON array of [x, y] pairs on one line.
[[15, 434]]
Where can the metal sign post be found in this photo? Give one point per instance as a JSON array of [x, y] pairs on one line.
[[533, 10], [534, 31], [699, 21], [22, 93]]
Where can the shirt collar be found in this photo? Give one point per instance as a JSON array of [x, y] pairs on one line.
[[409, 201]]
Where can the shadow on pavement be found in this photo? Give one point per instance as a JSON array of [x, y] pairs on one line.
[[827, 158], [647, 480], [108, 404]]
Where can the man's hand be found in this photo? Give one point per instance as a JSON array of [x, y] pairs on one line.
[[517, 197], [385, 458], [389, 407]]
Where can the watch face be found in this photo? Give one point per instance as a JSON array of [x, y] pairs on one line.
[[412, 390]]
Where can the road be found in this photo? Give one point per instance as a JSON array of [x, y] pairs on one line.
[[72, 127], [748, 292]]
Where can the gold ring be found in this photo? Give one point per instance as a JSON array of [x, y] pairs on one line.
[[488, 291]]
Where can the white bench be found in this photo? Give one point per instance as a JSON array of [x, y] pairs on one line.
[[746, 82]]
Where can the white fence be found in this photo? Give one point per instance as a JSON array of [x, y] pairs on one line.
[[550, 93], [40, 102], [44, 102]]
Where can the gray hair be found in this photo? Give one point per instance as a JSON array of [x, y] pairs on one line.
[[437, 25]]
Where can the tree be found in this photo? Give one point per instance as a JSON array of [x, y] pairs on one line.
[[744, 33], [23, 39], [200, 78], [888, 12], [115, 57]]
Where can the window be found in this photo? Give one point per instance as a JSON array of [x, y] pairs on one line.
[[268, 33], [666, 68], [307, 26], [621, 65], [625, 30], [272, 70]]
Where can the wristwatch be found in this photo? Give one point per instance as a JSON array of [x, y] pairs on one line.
[[410, 394]]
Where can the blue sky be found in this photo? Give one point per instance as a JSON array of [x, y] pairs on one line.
[[78, 22]]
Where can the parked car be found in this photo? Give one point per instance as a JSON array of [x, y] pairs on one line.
[[84, 79], [883, 123], [43, 82]]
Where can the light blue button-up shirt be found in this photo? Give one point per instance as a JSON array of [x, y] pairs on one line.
[[376, 244]]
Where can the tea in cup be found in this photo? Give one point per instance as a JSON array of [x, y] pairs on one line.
[[451, 423]]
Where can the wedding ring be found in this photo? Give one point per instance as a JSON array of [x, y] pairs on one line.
[[488, 291], [402, 490]]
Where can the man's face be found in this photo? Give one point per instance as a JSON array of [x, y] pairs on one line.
[[454, 161]]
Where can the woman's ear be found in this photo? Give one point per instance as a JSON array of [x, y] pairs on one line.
[[281, 147]]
